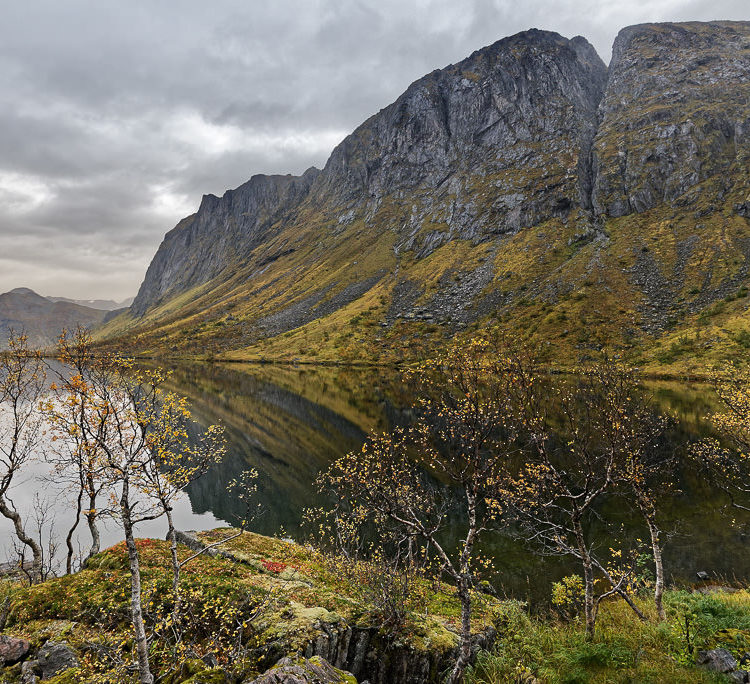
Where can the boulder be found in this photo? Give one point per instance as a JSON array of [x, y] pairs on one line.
[[717, 660], [12, 650], [52, 659], [29, 673], [739, 676], [314, 670]]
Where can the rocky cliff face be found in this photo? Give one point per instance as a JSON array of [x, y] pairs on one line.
[[220, 235], [675, 114], [527, 184], [520, 114]]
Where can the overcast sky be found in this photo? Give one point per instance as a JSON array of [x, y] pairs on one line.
[[116, 116]]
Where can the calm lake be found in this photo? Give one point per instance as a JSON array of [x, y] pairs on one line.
[[289, 423]]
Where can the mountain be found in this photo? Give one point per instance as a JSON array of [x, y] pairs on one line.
[[42, 320], [103, 304], [580, 205]]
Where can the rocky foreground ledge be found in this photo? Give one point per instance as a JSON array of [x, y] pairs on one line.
[[258, 610]]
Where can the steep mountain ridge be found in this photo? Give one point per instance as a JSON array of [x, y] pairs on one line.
[[527, 184], [222, 232], [689, 86], [480, 116], [485, 115]]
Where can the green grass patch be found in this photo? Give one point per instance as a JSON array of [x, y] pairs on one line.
[[624, 648]]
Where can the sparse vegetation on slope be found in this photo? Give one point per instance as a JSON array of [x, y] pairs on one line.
[[625, 229], [241, 616]]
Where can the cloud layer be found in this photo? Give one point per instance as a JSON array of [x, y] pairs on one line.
[[116, 117]]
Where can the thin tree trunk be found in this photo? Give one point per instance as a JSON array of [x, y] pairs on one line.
[[624, 594], [464, 645], [94, 531], [588, 597], [71, 531], [588, 580], [659, 566], [36, 550], [136, 611], [91, 517], [464, 593], [172, 537]]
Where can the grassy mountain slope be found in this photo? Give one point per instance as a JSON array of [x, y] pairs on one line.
[[526, 186]]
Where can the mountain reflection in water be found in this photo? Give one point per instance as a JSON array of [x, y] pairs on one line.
[[286, 423], [289, 423]]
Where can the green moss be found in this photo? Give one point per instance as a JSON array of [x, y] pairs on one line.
[[282, 592], [210, 676]]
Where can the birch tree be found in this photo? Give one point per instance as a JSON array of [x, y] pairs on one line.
[[579, 444], [115, 427], [646, 465], [452, 463], [174, 459], [76, 455], [140, 431], [21, 385]]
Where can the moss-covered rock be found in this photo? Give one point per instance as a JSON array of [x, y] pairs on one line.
[[256, 602], [298, 670], [209, 676]]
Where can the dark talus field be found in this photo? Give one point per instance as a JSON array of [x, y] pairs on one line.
[[528, 185]]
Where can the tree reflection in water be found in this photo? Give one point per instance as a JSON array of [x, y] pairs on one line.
[[290, 422]]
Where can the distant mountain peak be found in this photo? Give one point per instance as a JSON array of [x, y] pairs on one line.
[[100, 304], [42, 319]]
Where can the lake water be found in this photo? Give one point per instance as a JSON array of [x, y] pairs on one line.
[[289, 423]]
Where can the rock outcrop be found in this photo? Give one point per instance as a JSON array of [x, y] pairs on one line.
[[52, 659], [347, 648], [674, 115], [12, 649], [220, 235], [722, 661], [304, 671]]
